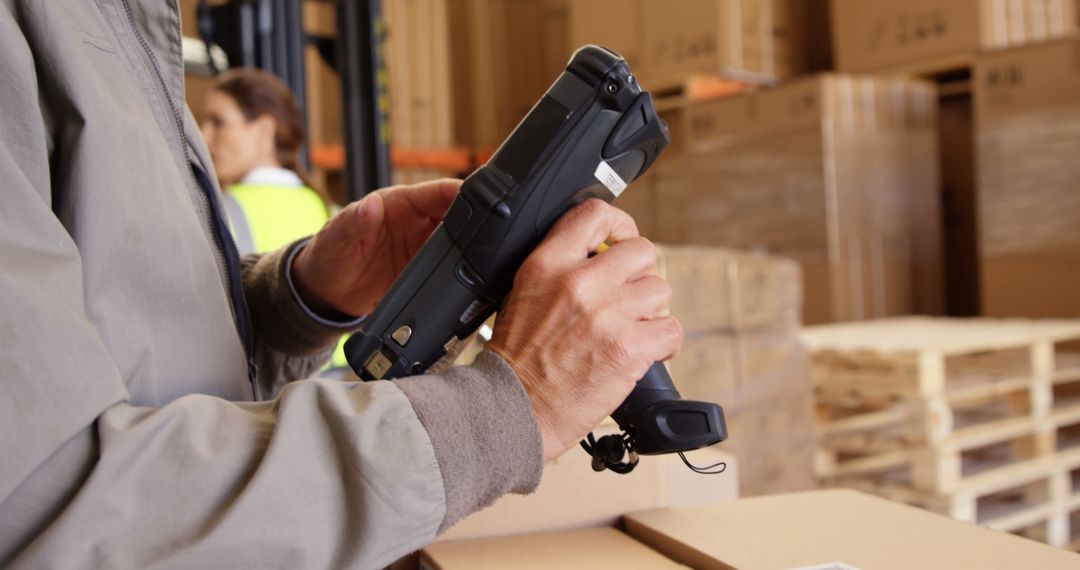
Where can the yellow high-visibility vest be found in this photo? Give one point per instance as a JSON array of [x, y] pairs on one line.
[[277, 215], [265, 217]]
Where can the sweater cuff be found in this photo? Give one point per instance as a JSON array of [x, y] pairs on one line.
[[483, 430], [279, 316]]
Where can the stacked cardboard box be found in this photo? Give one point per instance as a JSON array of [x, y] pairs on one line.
[[951, 40], [740, 313], [462, 73], [939, 35], [836, 172], [832, 530], [325, 115], [760, 41], [1027, 107]]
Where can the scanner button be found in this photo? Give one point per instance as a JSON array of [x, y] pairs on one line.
[[377, 366], [402, 335]]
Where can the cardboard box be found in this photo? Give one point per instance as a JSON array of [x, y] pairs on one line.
[[938, 35], [762, 380], [837, 172], [584, 549], [741, 312], [833, 527], [463, 73], [571, 495], [752, 40], [1031, 286], [614, 24], [717, 291], [1027, 112], [196, 89], [189, 18], [324, 113]]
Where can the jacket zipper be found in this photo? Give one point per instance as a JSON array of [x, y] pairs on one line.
[[229, 263]]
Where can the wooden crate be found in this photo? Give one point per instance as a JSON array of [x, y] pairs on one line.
[[975, 418]]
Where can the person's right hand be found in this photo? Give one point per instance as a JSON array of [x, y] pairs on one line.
[[580, 331]]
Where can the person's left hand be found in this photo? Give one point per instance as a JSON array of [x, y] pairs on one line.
[[350, 264]]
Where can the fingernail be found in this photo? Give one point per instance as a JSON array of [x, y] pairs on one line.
[[363, 208]]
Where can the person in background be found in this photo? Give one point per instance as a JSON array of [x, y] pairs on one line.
[[255, 131]]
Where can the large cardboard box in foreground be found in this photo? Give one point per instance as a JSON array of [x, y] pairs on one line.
[[759, 41], [940, 35], [568, 550], [834, 527], [837, 172], [1027, 112], [571, 495]]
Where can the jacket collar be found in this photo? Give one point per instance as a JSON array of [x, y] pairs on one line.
[[273, 176]]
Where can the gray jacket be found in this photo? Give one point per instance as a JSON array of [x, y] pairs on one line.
[[129, 434]]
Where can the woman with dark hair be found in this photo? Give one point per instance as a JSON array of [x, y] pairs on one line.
[[254, 131]]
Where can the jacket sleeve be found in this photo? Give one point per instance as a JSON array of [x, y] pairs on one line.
[[291, 341], [328, 474]]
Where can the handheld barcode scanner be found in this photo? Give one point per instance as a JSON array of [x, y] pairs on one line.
[[594, 131]]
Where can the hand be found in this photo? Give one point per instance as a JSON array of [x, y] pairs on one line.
[[350, 264], [581, 331]]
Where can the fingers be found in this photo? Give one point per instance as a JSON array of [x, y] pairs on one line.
[[581, 230], [432, 198], [627, 260], [647, 298], [358, 219], [656, 339]]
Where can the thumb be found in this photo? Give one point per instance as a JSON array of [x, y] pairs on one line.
[[360, 218]]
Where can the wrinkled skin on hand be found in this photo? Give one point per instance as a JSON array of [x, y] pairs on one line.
[[350, 264], [580, 330]]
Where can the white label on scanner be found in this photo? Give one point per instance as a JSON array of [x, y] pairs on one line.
[[609, 178]]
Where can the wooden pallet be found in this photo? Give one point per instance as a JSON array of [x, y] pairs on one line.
[[1039, 498], [975, 418], [923, 358], [940, 466]]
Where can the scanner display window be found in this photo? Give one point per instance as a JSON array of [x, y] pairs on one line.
[[532, 136]]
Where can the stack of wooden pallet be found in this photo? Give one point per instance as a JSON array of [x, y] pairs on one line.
[[975, 418]]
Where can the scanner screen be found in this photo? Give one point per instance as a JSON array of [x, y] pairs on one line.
[[518, 155]]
